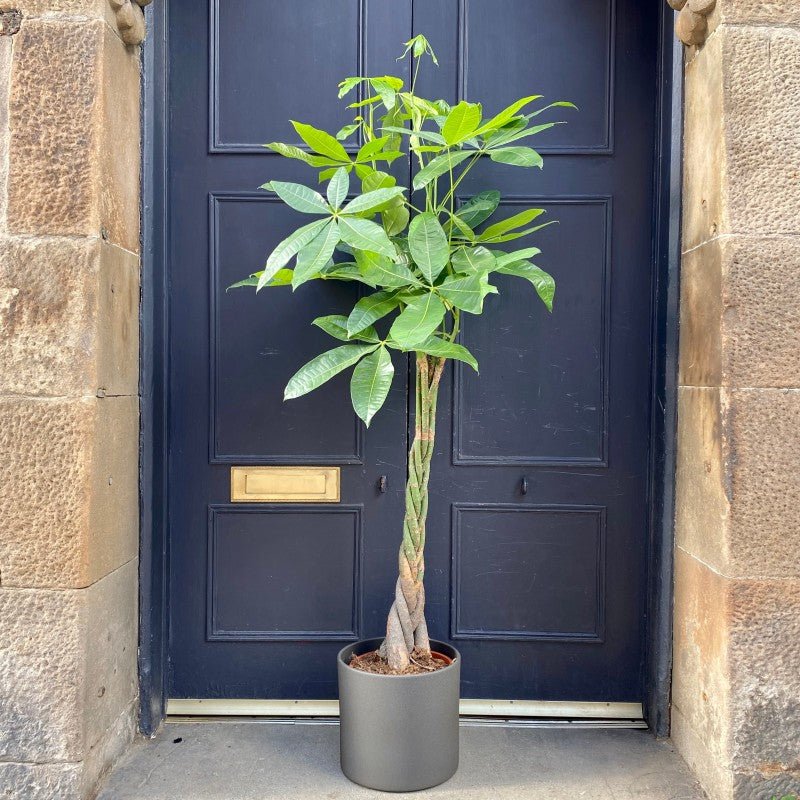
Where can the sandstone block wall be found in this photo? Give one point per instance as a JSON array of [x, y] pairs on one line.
[[736, 685], [69, 304]]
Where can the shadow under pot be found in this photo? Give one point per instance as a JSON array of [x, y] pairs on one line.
[[398, 733]]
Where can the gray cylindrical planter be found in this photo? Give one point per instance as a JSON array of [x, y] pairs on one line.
[[398, 733]]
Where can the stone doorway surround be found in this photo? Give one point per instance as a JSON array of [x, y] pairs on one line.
[[69, 424], [69, 396], [736, 671]]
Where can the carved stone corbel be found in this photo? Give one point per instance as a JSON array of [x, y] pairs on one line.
[[691, 25], [130, 19]]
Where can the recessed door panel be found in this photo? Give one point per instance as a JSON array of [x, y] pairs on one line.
[[263, 584], [540, 396], [525, 573], [261, 340], [263, 51], [526, 49]]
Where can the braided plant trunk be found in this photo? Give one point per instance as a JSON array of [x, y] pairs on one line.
[[406, 629]]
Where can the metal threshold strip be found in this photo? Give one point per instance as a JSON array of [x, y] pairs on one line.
[[594, 714]]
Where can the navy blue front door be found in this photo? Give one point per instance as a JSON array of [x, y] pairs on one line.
[[536, 561]]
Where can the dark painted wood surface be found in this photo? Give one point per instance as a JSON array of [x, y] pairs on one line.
[[543, 590]]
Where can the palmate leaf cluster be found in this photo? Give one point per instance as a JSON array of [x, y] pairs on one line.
[[422, 258]]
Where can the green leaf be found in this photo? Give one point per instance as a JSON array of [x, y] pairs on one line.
[[324, 367], [418, 320], [510, 223], [419, 45], [390, 80], [283, 277], [347, 85], [336, 325], [479, 208], [370, 384], [300, 197], [370, 309], [365, 235], [461, 122], [511, 127], [473, 260], [316, 254], [428, 244], [395, 218], [378, 180], [251, 280], [434, 346], [290, 151], [371, 148], [509, 237], [463, 229], [347, 130], [558, 104], [372, 201], [427, 108], [439, 166], [426, 148], [321, 142], [344, 272], [368, 101], [327, 174], [338, 187], [429, 136], [385, 155], [289, 247], [465, 293], [513, 133], [504, 116], [387, 92], [504, 259], [382, 271], [517, 157], [544, 283]]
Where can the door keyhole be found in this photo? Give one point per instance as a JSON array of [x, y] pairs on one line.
[[382, 484], [524, 484]]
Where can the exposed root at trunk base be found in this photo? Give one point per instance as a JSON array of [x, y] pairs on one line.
[[406, 629], [419, 663]]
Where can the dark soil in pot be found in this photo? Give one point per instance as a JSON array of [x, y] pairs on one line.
[[420, 663]]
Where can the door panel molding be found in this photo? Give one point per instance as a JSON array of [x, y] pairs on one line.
[[459, 632], [459, 456], [214, 630], [217, 455], [602, 148], [216, 143]]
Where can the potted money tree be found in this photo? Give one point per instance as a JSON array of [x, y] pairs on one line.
[[424, 261]]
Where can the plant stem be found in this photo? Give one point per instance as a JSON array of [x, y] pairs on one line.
[[453, 186], [406, 628]]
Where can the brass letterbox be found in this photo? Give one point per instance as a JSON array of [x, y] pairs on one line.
[[285, 484]]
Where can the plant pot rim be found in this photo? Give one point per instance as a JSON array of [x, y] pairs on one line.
[[435, 645]]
